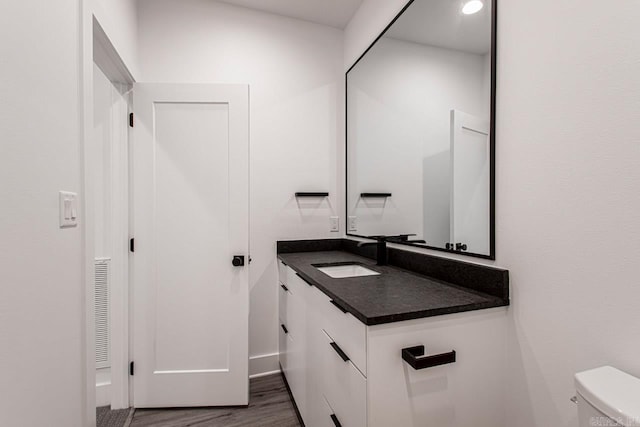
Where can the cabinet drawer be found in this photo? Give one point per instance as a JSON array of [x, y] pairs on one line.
[[347, 331], [326, 413], [297, 370], [344, 386], [284, 303], [284, 346], [468, 392], [296, 284], [282, 272]]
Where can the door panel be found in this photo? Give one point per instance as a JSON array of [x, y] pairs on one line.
[[190, 218], [192, 178]]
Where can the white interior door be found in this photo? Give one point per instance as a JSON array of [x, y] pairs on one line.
[[470, 166], [191, 216]]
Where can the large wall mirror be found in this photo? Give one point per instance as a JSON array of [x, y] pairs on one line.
[[420, 129]]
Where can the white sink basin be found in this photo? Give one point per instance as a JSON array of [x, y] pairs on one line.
[[349, 270]]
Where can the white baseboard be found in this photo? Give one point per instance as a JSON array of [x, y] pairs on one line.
[[264, 364], [103, 394], [103, 387]]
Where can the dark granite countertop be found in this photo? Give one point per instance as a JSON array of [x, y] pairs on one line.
[[394, 295]]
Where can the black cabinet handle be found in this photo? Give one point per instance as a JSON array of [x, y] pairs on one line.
[[284, 287], [341, 353], [238, 260], [338, 306], [415, 357], [335, 420], [284, 328], [304, 280]]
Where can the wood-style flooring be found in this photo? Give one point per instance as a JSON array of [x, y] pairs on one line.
[[269, 406]]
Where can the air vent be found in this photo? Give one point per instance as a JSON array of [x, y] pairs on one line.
[[102, 285]]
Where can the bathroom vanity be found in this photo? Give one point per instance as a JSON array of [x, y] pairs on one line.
[[419, 340], [390, 346]]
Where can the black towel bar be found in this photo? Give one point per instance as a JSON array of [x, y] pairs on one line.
[[375, 194], [311, 194]]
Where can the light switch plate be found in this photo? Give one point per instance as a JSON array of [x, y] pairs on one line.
[[68, 209], [353, 223], [334, 222]]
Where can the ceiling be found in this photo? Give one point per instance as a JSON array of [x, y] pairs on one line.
[[441, 23], [335, 13]]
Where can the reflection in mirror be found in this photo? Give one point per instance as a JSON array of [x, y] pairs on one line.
[[419, 128]]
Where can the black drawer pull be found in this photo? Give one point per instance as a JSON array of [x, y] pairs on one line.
[[335, 420], [415, 357], [304, 280], [341, 353], [284, 287], [284, 328], [338, 306]]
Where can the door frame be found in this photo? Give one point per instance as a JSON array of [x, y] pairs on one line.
[[97, 48]]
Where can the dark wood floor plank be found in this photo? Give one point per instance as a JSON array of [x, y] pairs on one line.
[[269, 406]]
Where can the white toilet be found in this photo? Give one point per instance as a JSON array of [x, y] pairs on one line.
[[607, 397]]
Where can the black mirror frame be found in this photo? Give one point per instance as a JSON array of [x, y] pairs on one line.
[[492, 140]]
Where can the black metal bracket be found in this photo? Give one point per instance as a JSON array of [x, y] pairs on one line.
[[284, 328], [375, 195], [284, 287], [130, 119], [341, 353], [131, 368], [311, 194], [415, 357], [132, 245], [335, 420]]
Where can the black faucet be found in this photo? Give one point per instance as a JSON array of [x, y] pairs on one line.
[[381, 245]]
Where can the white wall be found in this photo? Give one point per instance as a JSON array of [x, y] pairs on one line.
[[567, 192], [294, 69], [42, 352], [400, 99], [119, 20]]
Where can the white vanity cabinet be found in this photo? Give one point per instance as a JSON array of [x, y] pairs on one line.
[[469, 392], [293, 330], [344, 373]]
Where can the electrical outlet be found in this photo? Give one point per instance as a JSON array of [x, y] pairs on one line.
[[334, 222], [353, 223]]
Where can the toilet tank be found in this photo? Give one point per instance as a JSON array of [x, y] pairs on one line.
[[607, 397]]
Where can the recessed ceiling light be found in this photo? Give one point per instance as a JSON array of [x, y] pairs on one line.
[[472, 6]]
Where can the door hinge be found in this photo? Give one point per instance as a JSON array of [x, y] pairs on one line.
[[132, 244], [130, 119], [131, 370]]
